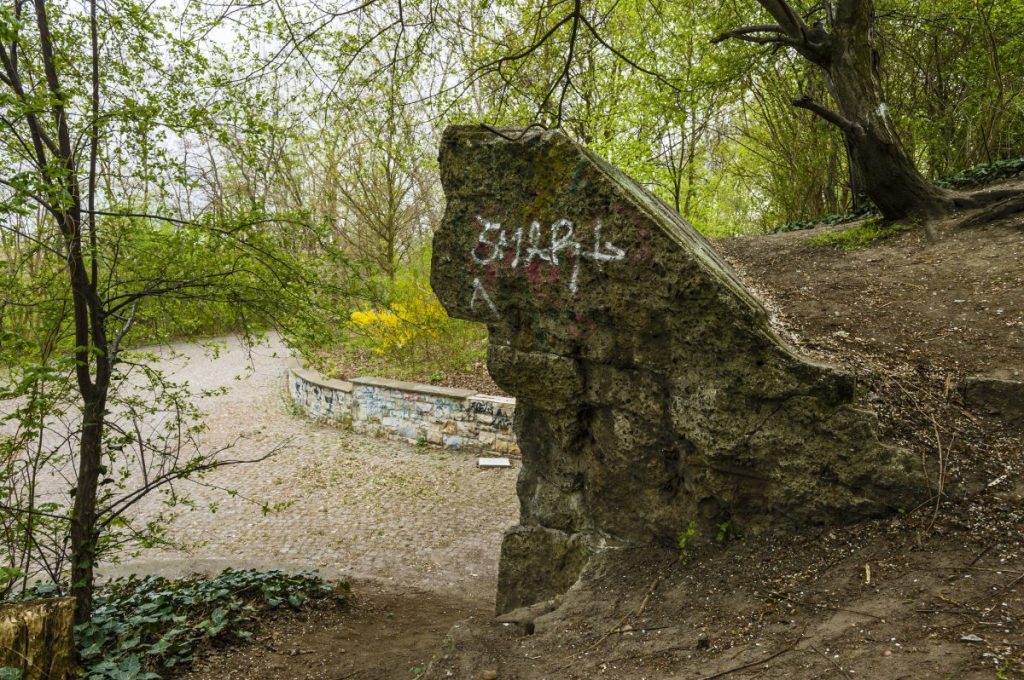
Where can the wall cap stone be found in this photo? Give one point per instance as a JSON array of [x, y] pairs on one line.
[[316, 378], [494, 399], [403, 386]]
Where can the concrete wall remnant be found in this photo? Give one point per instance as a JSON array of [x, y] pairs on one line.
[[37, 638], [651, 389]]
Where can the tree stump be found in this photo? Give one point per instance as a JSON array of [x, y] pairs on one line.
[[37, 638]]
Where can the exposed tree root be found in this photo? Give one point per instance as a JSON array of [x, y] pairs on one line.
[[994, 211], [984, 197]]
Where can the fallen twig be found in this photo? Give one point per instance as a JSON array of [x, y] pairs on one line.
[[956, 567], [959, 611], [844, 609], [982, 554], [766, 659], [831, 661], [618, 627]]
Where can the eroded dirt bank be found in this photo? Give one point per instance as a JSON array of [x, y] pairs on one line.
[[934, 592]]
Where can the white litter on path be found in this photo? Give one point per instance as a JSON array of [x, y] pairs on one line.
[[494, 462]]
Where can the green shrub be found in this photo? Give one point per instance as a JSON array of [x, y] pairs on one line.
[[835, 218], [984, 173], [142, 627]]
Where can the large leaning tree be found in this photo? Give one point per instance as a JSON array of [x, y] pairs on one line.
[[839, 38]]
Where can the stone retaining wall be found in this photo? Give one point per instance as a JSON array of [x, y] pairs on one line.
[[442, 416]]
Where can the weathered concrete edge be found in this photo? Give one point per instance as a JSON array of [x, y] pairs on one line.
[[37, 638], [420, 388], [996, 396], [477, 421], [314, 377]]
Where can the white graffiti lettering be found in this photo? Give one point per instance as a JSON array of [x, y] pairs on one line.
[[496, 247], [518, 237], [480, 293], [535, 250], [614, 255], [560, 243]]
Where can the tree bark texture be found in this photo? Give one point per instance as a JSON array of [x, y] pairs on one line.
[[37, 639], [878, 159], [842, 46]]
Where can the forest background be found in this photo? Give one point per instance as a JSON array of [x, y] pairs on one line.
[[189, 169]]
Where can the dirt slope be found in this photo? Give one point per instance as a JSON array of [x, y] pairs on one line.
[[935, 592], [957, 303]]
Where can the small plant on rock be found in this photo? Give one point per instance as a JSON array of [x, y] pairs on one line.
[[684, 537]]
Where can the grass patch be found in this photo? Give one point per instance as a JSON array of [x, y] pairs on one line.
[[861, 236]]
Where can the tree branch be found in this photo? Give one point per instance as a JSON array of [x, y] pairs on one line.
[[746, 30], [522, 54], [196, 467], [631, 63], [790, 31], [827, 114], [780, 40], [789, 21], [94, 142]]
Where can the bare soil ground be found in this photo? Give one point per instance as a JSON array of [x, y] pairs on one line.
[[415, 530], [381, 633], [937, 591], [955, 304]]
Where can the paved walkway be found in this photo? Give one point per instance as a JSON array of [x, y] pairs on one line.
[[355, 505]]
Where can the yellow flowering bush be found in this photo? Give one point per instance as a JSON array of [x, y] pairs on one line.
[[414, 325], [397, 329], [408, 335]]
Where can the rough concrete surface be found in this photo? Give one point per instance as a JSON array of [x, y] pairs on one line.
[[652, 393], [37, 638]]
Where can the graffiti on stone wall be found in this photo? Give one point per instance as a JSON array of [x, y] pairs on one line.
[[477, 422], [498, 417], [551, 247]]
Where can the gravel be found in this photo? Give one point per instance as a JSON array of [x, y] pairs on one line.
[[346, 504]]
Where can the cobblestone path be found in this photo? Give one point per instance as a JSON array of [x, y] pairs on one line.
[[354, 505]]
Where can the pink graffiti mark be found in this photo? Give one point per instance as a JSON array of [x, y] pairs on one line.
[[541, 251], [541, 276], [581, 327]]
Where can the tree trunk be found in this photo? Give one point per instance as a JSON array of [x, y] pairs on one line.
[[91, 352], [859, 200], [842, 46], [83, 521], [878, 160]]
